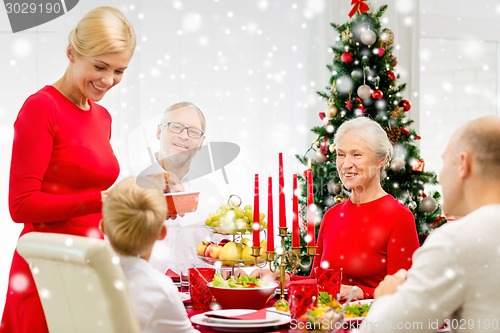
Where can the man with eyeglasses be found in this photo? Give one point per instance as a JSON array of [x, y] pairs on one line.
[[181, 133]]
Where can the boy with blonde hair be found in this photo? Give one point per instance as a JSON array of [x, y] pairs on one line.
[[133, 221]]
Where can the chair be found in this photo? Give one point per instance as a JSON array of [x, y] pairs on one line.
[[80, 283]]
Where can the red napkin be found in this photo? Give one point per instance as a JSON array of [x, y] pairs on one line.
[[173, 275], [259, 314]]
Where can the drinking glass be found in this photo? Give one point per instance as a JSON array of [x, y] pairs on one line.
[[329, 280], [201, 295], [302, 295], [184, 281]]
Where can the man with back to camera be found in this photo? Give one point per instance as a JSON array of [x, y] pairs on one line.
[[454, 276], [181, 134]]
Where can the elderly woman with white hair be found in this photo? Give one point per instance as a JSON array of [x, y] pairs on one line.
[[371, 234]]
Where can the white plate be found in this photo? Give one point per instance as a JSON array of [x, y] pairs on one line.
[[184, 296], [237, 312], [360, 302], [201, 319], [273, 309]]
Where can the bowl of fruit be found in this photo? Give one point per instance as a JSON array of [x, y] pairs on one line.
[[236, 252], [231, 219], [244, 292]]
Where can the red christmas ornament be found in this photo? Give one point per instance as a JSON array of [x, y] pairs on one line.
[[360, 105], [377, 94], [418, 165], [346, 57], [391, 75], [394, 60], [380, 51], [322, 115], [348, 105], [405, 104], [323, 147], [418, 137], [404, 131]]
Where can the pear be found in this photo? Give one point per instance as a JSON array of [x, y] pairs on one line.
[[263, 249], [240, 249], [229, 254], [246, 241], [246, 255]]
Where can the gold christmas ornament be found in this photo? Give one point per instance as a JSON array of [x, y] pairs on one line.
[[397, 112], [346, 34], [386, 37], [339, 198], [331, 148], [332, 111]]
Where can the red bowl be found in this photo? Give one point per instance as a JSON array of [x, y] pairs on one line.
[[243, 298], [181, 202]]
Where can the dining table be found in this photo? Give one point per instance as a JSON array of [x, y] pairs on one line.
[[284, 328]]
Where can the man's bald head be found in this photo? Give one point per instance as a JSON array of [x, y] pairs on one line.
[[481, 138]]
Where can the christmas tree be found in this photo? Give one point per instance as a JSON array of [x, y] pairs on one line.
[[364, 82]]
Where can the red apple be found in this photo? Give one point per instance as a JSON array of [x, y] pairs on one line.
[[213, 251], [201, 247], [223, 242]]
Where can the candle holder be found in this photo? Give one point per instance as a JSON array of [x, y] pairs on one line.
[[286, 258]]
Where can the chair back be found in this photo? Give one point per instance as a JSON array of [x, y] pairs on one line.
[[80, 282]]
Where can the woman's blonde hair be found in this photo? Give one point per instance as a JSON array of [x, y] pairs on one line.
[[133, 217], [103, 30], [373, 134]]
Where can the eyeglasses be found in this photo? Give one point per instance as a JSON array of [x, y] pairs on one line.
[[179, 128]]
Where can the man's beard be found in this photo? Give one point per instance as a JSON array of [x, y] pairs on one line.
[[180, 159]]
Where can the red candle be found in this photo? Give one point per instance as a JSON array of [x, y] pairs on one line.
[[270, 226], [282, 194], [295, 222], [310, 213], [256, 214]]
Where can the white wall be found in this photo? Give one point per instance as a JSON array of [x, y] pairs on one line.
[[459, 59]]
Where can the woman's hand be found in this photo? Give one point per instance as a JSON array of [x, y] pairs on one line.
[[166, 181], [345, 290]]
